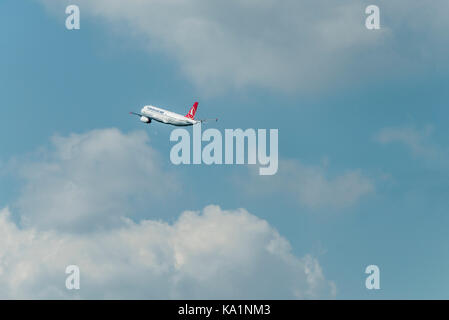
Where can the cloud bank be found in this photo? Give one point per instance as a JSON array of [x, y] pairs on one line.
[[213, 254], [288, 46], [91, 180], [418, 141], [312, 185], [75, 210]]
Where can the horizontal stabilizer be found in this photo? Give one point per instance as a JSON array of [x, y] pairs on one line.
[[208, 120]]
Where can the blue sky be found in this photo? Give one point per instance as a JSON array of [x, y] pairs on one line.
[[372, 105]]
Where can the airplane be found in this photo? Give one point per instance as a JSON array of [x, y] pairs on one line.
[[149, 113]]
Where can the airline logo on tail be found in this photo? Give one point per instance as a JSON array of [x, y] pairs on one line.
[[192, 111]]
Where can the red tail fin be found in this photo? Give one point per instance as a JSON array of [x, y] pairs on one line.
[[192, 111]]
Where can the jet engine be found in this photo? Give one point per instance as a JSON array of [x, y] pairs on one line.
[[145, 119]]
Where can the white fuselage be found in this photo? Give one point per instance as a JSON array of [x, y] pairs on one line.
[[166, 116]]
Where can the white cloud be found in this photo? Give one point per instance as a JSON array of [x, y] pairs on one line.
[[416, 140], [419, 142], [89, 181], [213, 254], [288, 45], [84, 182], [313, 187]]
